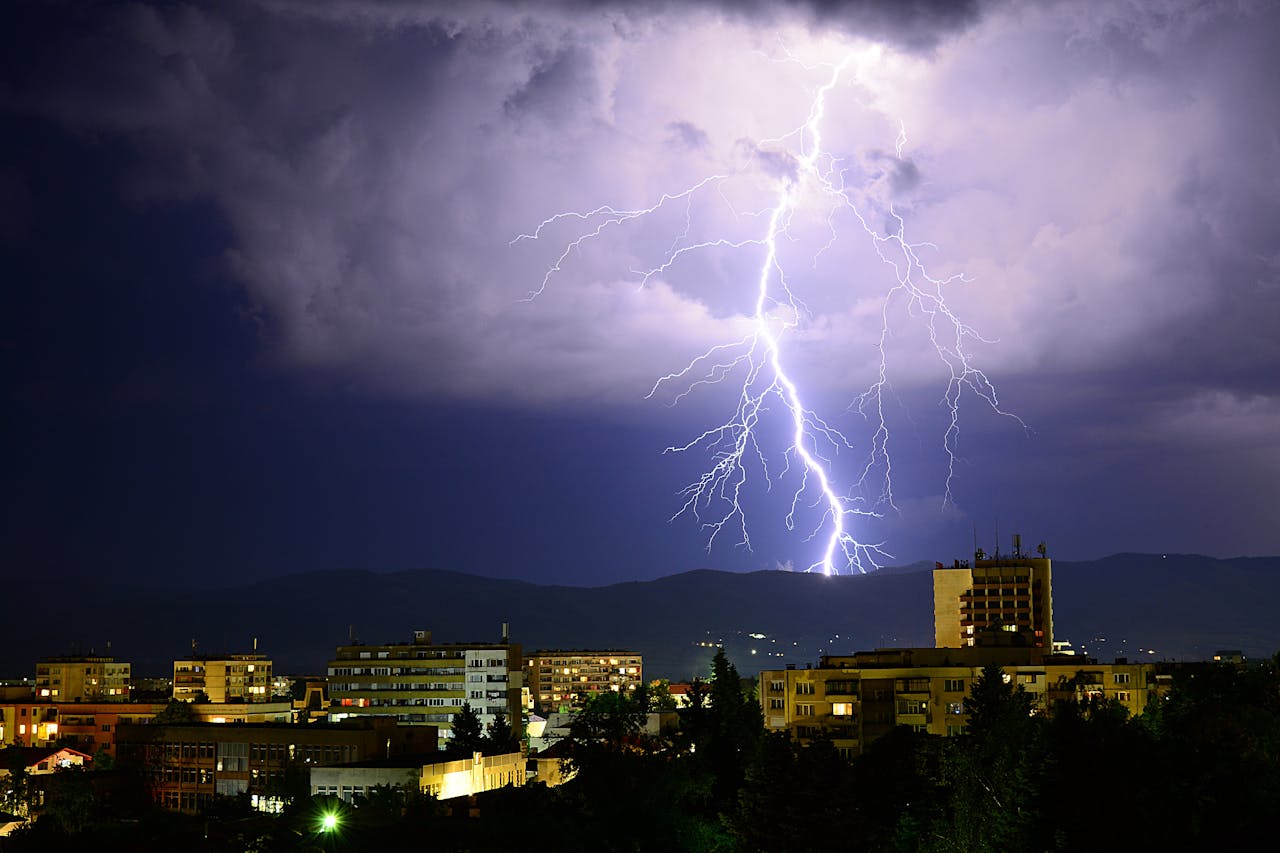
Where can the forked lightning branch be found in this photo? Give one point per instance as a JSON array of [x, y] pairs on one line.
[[822, 507]]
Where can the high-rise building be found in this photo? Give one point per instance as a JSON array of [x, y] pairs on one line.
[[426, 683], [559, 679], [1001, 601], [223, 678], [82, 679]]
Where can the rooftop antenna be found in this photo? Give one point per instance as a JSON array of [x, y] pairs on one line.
[[997, 537], [1017, 544]]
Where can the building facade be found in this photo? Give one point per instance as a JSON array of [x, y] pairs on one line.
[[854, 699], [424, 683], [188, 765], [443, 780], [223, 678], [82, 679], [558, 680], [994, 602]]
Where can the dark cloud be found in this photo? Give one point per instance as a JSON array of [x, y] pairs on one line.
[[1104, 175]]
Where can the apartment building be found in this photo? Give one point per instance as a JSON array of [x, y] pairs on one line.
[[82, 679], [1002, 601], [854, 699], [560, 679], [223, 678], [421, 682]]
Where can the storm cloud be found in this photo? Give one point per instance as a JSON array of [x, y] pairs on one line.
[[1106, 179]]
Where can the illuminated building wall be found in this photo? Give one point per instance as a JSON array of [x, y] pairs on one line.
[[997, 602], [559, 679], [426, 683], [223, 678], [443, 780], [90, 727], [854, 699], [82, 679], [28, 724]]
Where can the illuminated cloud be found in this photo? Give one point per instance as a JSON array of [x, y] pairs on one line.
[[1106, 177]]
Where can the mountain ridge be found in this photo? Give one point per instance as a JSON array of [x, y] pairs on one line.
[[1159, 606]]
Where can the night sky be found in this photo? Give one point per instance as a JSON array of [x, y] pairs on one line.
[[263, 312]]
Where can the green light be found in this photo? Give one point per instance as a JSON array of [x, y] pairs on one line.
[[329, 823]]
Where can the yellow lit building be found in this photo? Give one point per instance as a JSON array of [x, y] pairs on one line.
[[560, 679], [426, 683], [854, 699], [1004, 601], [445, 780], [82, 679], [223, 678]]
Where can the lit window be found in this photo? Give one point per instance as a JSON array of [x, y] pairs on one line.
[[842, 709]]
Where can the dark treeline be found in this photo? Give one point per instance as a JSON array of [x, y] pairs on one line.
[[1199, 770]]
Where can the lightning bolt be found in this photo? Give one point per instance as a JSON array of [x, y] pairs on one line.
[[715, 498]]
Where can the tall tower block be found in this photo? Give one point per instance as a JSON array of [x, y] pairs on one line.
[[1006, 601]]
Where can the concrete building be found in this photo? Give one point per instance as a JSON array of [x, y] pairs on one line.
[[854, 699], [91, 726], [558, 679], [27, 723], [443, 780], [223, 678], [1002, 601], [82, 679], [424, 683], [187, 765]]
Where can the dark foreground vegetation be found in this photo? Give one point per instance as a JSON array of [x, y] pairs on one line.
[[1199, 770]]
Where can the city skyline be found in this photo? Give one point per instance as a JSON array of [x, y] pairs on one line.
[[268, 315]]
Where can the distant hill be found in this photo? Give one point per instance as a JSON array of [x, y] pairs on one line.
[[1183, 607]]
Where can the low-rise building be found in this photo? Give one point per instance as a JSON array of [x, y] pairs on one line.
[[187, 765], [444, 780], [36, 760], [91, 726]]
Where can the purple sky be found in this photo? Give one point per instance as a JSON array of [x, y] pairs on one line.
[[263, 312]]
